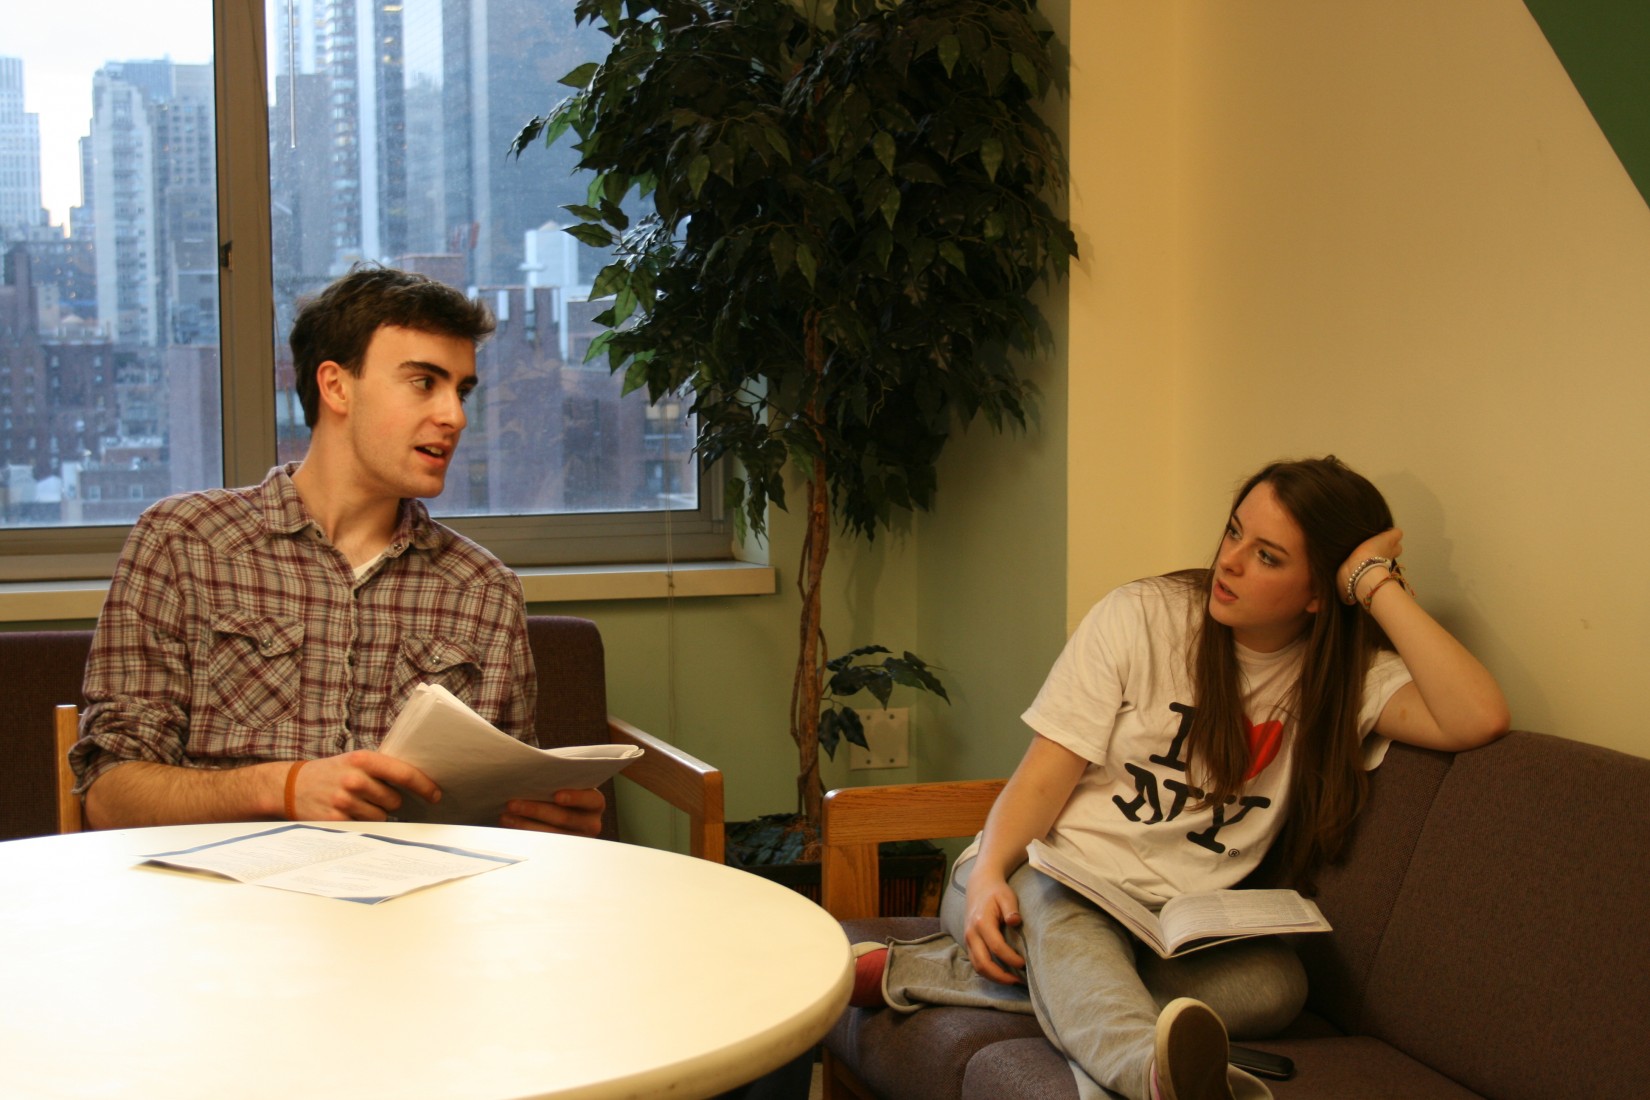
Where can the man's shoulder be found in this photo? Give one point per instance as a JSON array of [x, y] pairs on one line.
[[209, 514], [463, 560]]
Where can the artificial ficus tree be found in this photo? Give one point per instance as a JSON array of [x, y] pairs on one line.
[[848, 207]]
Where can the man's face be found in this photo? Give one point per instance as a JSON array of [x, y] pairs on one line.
[[406, 410]]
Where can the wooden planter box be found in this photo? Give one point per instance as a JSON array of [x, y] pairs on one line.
[[912, 875]]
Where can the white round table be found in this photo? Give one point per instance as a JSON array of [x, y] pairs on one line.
[[591, 970]]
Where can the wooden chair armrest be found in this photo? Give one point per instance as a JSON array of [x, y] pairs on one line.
[[857, 819], [67, 727], [682, 780]]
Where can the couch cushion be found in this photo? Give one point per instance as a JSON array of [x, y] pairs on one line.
[[1358, 894], [924, 1055], [1019, 1067], [1357, 1068], [1514, 961]]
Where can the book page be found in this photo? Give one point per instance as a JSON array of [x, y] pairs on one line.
[[1237, 912]]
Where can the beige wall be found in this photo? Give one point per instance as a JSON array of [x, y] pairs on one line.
[[1389, 230]]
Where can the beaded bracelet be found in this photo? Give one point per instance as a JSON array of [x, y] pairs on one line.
[[1363, 567], [1394, 576]]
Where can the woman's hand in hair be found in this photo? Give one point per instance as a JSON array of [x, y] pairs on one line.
[[992, 905], [1387, 544]]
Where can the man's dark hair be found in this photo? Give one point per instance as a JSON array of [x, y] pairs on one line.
[[339, 322]]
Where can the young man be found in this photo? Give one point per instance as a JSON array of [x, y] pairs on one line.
[[256, 643]]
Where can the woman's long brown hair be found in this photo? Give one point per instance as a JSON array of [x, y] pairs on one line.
[[1336, 509]]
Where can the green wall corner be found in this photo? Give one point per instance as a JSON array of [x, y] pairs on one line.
[[1605, 47]]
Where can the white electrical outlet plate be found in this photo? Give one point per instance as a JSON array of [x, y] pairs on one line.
[[888, 732]]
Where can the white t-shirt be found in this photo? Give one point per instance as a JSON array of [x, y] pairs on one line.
[[1120, 697]]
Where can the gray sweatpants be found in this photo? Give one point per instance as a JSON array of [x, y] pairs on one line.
[[1095, 994]]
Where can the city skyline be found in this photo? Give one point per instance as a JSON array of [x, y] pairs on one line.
[[391, 121], [60, 60]]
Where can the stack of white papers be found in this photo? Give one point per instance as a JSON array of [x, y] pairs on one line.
[[479, 767]]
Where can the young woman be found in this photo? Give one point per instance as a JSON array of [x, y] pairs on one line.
[[1193, 723]]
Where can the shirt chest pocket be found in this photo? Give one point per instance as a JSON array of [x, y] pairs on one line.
[[452, 664], [255, 669]]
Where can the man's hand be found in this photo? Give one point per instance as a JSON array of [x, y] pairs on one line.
[[577, 813], [357, 786]]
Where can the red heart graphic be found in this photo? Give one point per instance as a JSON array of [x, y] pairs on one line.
[[1264, 742]]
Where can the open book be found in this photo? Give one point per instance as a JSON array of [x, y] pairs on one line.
[[1189, 922], [479, 767]]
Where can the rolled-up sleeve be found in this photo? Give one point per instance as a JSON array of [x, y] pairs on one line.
[[137, 681]]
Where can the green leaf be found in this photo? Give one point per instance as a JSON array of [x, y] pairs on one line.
[[1026, 70], [776, 139], [835, 125], [598, 346], [890, 206], [806, 263], [782, 249], [698, 173], [953, 256], [624, 304], [851, 727], [580, 77], [593, 235], [608, 280], [635, 376], [883, 145], [829, 735], [991, 156], [950, 50]]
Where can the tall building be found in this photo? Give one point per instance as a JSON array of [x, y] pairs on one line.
[[123, 204], [502, 60], [154, 202], [20, 206], [338, 135]]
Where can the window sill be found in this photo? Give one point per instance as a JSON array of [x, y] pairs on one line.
[[59, 601]]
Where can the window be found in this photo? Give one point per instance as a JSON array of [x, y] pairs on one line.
[[150, 228]]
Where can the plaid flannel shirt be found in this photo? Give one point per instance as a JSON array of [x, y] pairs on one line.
[[235, 634]]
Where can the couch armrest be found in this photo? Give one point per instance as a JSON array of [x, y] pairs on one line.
[[681, 779], [857, 819]]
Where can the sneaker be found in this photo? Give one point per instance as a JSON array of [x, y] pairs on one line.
[[1191, 1053], [870, 960]]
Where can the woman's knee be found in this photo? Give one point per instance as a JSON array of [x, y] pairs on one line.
[[1257, 986]]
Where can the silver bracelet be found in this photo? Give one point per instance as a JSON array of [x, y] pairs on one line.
[[1363, 567]]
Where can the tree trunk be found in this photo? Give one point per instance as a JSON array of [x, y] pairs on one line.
[[808, 686]]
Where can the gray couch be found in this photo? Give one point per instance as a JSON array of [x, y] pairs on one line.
[[1490, 941]]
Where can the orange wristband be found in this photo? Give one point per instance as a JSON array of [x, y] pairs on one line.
[[292, 790]]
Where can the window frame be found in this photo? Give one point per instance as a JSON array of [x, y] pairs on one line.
[[247, 373]]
